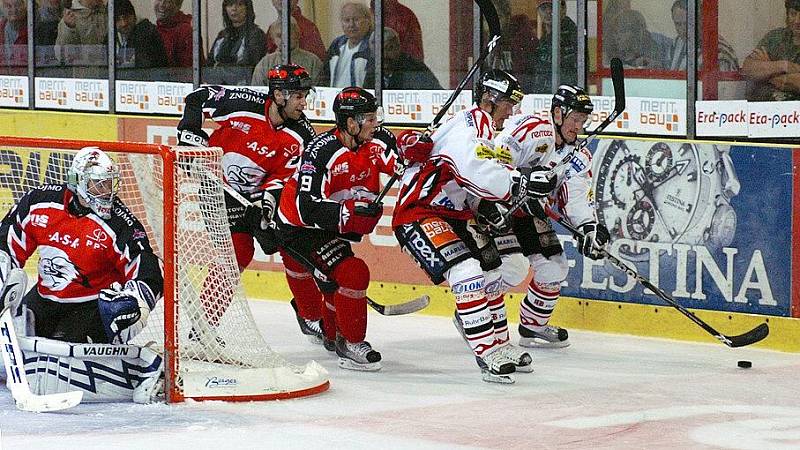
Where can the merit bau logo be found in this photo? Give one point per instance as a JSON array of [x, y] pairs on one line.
[[134, 95], [13, 91], [660, 114], [50, 92], [403, 105]]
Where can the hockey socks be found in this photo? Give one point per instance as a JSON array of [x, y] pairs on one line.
[[303, 287]]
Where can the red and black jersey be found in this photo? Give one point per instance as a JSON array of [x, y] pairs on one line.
[[330, 173], [78, 255], [257, 155]]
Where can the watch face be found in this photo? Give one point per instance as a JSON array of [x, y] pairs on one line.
[[647, 191]]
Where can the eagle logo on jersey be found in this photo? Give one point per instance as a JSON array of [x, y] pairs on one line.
[[55, 268]]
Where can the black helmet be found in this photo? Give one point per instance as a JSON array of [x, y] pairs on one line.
[[501, 84], [570, 98], [351, 102], [289, 77]]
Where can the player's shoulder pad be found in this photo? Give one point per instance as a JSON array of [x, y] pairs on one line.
[[322, 144], [121, 216], [529, 126], [386, 137], [302, 127]]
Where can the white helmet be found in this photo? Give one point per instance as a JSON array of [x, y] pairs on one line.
[[95, 179]]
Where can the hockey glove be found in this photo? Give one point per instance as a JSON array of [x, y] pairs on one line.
[[193, 139], [124, 310], [413, 146], [534, 182], [492, 216], [593, 242], [359, 216]]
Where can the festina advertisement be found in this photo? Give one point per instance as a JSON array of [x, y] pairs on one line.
[[707, 223]]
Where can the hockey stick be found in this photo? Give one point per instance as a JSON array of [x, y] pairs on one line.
[[399, 309], [490, 14], [751, 337], [618, 79], [16, 380]]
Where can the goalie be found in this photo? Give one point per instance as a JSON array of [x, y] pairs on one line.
[[98, 278]]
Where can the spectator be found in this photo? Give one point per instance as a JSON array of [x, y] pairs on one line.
[[241, 42], [402, 19], [726, 56], [82, 35], [175, 28], [349, 54], [48, 15], [308, 60], [541, 63], [773, 67], [517, 44], [630, 41], [138, 42], [400, 70], [612, 9], [309, 33], [14, 38]]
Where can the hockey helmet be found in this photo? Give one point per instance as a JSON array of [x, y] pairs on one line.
[[355, 102], [500, 84], [94, 177], [289, 77], [570, 98]]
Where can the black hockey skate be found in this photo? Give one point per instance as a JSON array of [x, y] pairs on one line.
[[357, 356], [549, 337], [311, 328]]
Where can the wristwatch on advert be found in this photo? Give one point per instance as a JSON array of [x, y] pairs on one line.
[[668, 192]]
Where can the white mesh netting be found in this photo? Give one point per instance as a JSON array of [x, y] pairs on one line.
[[216, 335]]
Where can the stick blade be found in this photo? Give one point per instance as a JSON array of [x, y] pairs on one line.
[[618, 79], [751, 337], [399, 309], [49, 402]]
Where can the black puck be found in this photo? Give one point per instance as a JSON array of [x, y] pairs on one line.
[[744, 364]]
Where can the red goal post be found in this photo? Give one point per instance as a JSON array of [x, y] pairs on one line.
[[211, 345]]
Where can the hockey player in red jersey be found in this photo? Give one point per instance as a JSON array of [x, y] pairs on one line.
[[262, 137], [435, 220], [550, 141], [327, 204], [98, 278]]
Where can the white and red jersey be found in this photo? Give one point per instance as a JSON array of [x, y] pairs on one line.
[[530, 140], [78, 255], [462, 163], [257, 155], [331, 173]]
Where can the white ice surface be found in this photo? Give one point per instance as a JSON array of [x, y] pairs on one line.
[[605, 391]]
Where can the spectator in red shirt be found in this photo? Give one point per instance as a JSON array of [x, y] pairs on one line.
[[14, 37], [175, 28], [310, 38], [400, 18]]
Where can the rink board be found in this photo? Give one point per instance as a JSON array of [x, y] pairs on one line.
[[754, 277]]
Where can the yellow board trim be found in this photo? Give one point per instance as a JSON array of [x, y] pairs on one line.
[[572, 313]]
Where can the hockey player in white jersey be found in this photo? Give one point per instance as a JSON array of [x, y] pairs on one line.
[[538, 140], [434, 220]]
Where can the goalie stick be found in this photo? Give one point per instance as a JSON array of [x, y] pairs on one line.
[[17, 382], [751, 337], [490, 14], [397, 309]]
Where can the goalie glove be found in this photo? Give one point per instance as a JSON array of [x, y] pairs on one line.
[[592, 242], [193, 139], [124, 310], [493, 216]]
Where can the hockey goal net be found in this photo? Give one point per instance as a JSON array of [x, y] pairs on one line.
[[210, 342]]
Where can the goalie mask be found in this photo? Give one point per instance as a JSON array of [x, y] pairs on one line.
[[94, 178]]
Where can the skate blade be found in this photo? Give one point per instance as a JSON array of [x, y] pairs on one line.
[[349, 364], [490, 377], [541, 343]]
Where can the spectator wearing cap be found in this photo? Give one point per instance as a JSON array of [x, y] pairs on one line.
[[138, 43], [773, 67], [309, 37], [304, 58]]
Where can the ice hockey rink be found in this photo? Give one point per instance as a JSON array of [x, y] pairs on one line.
[[605, 391]]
